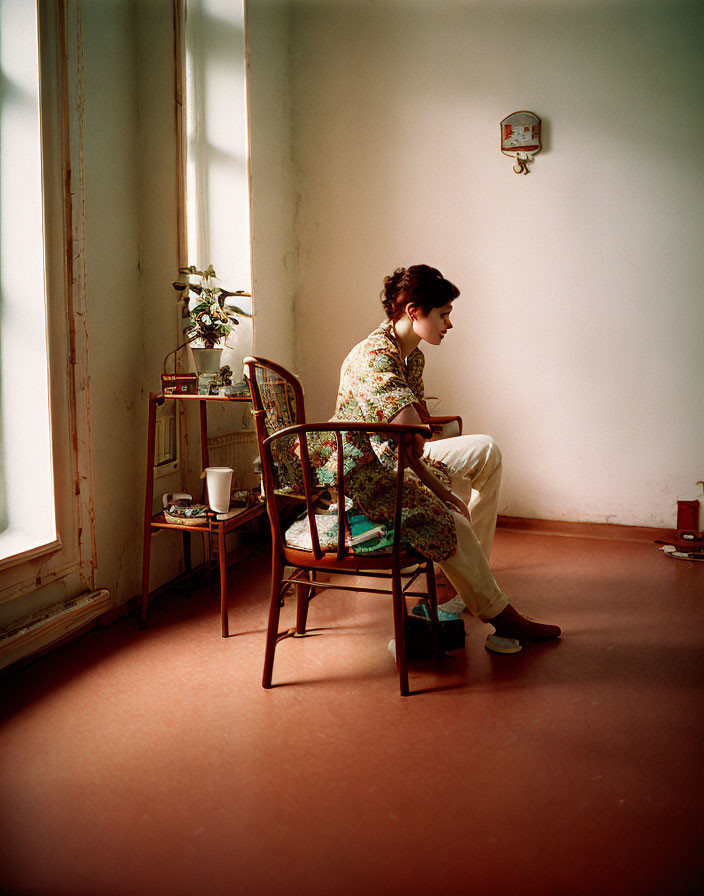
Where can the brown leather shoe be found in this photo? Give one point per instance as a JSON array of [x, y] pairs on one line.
[[510, 624]]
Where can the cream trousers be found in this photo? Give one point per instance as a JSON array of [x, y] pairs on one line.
[[474, 464]]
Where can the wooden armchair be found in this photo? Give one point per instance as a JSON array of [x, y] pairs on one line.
[[290, 452]]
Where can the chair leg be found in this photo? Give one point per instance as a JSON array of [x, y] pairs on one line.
[[399, 633], [277, 568], [431, 587]]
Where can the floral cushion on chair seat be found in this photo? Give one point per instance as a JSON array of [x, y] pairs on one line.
[[364, 535]]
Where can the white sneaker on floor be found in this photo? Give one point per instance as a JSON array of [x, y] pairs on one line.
[[455, 606]]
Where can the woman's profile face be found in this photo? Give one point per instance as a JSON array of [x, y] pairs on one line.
[[433, 326]]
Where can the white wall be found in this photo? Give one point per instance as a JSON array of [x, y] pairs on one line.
[[274, 246], [580, 328], [131, 253], [130, 259]]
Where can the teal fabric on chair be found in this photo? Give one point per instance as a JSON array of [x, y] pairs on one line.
[[363, 536]]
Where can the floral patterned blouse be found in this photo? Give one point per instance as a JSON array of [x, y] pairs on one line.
[[375, 384]]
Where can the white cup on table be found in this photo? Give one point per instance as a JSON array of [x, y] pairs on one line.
[[218, 481]]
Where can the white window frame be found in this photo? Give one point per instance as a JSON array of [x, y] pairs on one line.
[[65, 567]]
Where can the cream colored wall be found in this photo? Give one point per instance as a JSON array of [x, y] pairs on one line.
[[273, 190], [131, 251], [580, 329], [130, 260]]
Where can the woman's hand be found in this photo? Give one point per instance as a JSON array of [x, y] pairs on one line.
[[417, 446], [428, 478]]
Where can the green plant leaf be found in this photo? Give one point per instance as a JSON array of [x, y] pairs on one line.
[[237, 310], [237, 292]]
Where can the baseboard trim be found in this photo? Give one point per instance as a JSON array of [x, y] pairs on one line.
[[36, 635], [583, 530]]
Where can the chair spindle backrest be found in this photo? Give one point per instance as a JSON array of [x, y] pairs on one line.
[[285, 445]]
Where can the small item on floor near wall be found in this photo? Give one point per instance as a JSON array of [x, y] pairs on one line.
[[687, 514], [671, 551], [520, 139], [686, 545], [690, 514]]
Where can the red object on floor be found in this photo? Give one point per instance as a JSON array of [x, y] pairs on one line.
[[688, 515], [153, 762]]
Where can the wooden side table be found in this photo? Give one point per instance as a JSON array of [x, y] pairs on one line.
[[214, 530]]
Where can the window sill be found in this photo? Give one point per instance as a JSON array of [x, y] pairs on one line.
[[18, 547]]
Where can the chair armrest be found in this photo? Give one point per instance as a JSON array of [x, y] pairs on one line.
[[420, 429]]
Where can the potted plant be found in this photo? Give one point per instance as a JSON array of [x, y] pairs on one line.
[[207, 319]]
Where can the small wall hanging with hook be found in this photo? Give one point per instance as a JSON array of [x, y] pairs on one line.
[[520, 139]]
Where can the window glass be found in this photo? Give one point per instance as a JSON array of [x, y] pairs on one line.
[[27, 515], [218, 218]]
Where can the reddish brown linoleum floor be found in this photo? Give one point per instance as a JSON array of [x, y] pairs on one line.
[[154, 763]]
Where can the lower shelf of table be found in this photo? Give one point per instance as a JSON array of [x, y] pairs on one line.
[[212, 525]]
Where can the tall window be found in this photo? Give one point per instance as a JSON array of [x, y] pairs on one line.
[[217, 208], [47, 545], [27, 513]]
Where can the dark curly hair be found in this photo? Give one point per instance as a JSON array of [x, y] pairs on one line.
[[420, 284]]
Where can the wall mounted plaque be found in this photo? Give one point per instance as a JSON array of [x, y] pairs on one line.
[[520, 139]]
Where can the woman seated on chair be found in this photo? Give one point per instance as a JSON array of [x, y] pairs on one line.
[[450, 505]]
